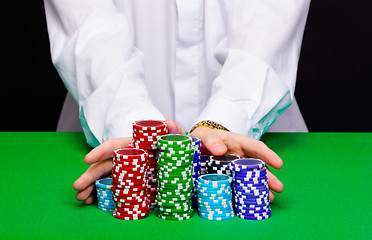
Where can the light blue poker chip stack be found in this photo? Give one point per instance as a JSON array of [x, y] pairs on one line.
[[251, 189], [104, 194], [196, 143], [215, 197]]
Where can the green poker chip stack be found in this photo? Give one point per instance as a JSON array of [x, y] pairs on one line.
[[175, 177]]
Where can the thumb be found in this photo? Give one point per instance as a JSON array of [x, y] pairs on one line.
[[211, 140], [174, 128]]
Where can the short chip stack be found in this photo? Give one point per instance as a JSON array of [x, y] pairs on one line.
[[129, 184], [145, 136], [219, 164], [251, 189], [175, 177], [196, 142], [215, 197], [104, 194]]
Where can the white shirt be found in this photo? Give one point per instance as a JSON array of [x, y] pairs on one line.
[[230, 61]]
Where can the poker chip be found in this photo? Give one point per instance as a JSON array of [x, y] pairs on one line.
[[215, 197], [175, 184], [219, 164], [251, 189], [130, 183], [104, 195]]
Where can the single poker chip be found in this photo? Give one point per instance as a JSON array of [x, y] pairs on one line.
[[167, 154], [247, 184], [175, 139], [171, 169], [175, 157], [245, 189], [133, 213], [137, 141], [173, 209], [104, 195], [254, 217], [250, 172], [217, 218], [105, 209], [130, 153], [143, 146], [157, 133], [181, 151], [106, 205], [252, 179], [99, 191], [254, 211], [174, 218], [244, 164], [209, 191], [132, 205], [216, 213], [177, 149], [128, 217], [224, 159], [215, 180], [149, 125], [251, 194], [104, 183]]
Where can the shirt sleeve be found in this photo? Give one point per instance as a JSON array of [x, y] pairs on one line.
[[257, 80], [92, 48]]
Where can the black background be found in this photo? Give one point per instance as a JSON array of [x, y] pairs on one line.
[[333, 85]]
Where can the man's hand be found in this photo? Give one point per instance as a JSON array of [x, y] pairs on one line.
[[219, 142], [100, 161]]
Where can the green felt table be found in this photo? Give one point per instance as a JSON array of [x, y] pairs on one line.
[[327, 195]]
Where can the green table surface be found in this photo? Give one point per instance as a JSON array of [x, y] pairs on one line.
[[327, 194]]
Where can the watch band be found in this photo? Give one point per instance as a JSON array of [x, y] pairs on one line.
[[210, 124]]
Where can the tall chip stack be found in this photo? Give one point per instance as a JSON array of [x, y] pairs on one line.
[[196, 142], [251, 189], [145, 136], [175, 177], [129, 184]]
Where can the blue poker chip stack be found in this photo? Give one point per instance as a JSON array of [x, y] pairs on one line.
[[104, 195], [215, 197], [196, 143], [251, 189]]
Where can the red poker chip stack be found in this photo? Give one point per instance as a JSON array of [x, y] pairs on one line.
[[145, 136], [129, 184]]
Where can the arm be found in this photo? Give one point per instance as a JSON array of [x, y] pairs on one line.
[[257, 81], [93, 52]]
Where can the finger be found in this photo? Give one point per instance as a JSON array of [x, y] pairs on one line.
[[84, 194], [274, 183], [94, 172], [271, 196], [258, 149], [174, 128], [106, 149], [89, 200], [211, 139]]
